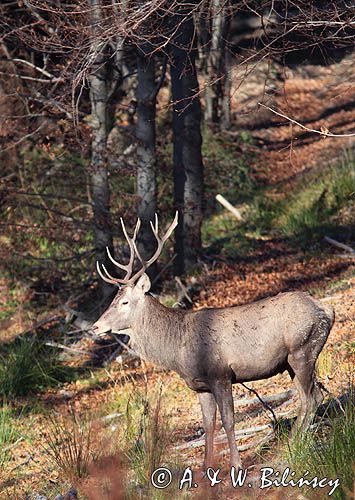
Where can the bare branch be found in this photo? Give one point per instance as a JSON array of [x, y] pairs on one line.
[[324, 132]]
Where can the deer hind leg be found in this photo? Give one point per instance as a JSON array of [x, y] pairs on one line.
[[303, 366], [222, 391], [208, 407]]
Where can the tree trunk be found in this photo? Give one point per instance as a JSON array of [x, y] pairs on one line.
[[99, 97], [187, 158], [217, 65], [145, 133], [225, 72]]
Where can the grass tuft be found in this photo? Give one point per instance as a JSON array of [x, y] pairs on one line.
[[328, 452], [27, 366], [9, 433], [71, 445], [147, 432]]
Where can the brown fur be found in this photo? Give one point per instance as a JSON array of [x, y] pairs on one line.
[[212, 349]]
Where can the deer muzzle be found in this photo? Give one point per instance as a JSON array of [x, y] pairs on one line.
[[100, 328]]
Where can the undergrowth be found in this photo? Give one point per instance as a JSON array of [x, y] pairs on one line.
[[28, 365], [320, 204], [311, 211], [9, 433], [327, 451], [71, 445], [105, 457]]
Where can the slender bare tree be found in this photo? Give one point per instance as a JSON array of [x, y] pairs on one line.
[[187, 156], [104, 78], [215, 27], [146, 152]]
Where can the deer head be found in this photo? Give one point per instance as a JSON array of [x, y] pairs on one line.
[[131, 295]]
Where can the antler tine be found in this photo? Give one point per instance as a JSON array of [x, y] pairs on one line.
[[112, 281], [130, 241], [122, 281], [136, 229], [129, 279], [161, 241], [155, 232], [171, 227], [107, 273], [121, 266], [156, 223]]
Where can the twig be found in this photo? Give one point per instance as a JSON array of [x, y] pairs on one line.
[[113, 356], [324, 132], [162, 271], [183, 289], [255, 443], [337, 244], [36, 14], [229, 206], [25, 462], [37, 68], [125, 346], [25, 137], [112, 416], [77, 256], [40, 323], [11, 446], [67, 348], [332, 297], [263, 402]]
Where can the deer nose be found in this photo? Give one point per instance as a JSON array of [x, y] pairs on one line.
[[98, 330]]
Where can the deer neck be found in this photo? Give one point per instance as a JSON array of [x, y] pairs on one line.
[[156, 333]]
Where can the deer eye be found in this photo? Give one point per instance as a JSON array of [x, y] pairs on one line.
[[125, 302]]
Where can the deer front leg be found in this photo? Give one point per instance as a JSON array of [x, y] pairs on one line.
[[208, 407], [222, 391]]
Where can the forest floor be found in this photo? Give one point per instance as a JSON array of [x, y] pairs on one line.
[[317, 98]]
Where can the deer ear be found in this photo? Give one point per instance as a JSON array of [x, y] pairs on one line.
[[143, 284]]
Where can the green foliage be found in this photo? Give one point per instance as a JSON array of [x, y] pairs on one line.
[[310, 211], [328, 452], [47, 223], [228, 167], [27, 366], [9, 433], [8, 308]]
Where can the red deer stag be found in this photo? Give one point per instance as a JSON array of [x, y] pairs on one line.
[[211, 349]]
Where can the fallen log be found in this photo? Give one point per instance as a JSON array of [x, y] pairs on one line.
[[220, 438], [253, 444], [273, 398], [340, 245]]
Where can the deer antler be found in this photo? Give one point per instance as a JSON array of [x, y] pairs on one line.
[[129, 279]]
